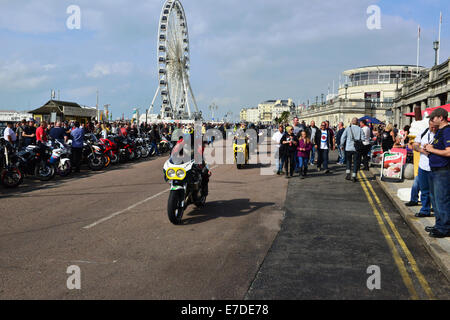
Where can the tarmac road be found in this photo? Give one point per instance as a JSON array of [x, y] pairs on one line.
[[114, 226]]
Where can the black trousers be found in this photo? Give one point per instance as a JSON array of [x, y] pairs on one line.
[[289, 163], [76, 157], [365, 156]]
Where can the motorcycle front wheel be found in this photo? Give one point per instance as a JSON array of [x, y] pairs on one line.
[[174, 209], [96, 163], [64, 169], [11, 178], [145, 152]]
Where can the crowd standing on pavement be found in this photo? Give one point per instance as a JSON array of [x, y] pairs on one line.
[[354, 144]]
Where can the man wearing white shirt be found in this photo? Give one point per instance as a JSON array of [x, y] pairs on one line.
[[366, 143], [424, 176], [9, 134], [276, 140]]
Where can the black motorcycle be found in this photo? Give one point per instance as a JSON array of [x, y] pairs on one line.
[[10, 175], [35, 161]]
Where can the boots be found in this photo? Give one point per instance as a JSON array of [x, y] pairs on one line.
[[303, 172]]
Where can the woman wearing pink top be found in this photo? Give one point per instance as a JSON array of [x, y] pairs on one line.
[[303, 151]]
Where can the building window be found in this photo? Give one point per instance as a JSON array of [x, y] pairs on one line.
[[384, 77]]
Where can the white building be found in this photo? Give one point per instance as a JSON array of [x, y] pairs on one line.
[[252, 115], [15, 116]]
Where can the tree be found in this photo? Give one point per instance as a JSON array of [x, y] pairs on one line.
[[284, 118]]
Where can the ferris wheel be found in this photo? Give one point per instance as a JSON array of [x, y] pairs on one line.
[[173, 64]]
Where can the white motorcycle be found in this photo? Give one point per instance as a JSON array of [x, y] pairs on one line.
[[60, 158], [187, 186]]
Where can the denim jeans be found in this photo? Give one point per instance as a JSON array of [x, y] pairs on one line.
[[341, 158], [154, 146], [280, 164], [415, 190], [303, 162], [424, 186], [353, 159], [313, 155], [440, 199], [322, 158]]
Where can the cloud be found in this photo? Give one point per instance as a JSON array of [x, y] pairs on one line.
[[17, 75], [82, 92], [103, 69]]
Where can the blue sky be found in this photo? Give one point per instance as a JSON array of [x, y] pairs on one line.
[[242, 52]]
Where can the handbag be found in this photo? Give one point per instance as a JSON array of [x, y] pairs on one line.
[[359, 145]]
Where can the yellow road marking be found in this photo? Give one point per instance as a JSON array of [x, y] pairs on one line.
[[409, 256], [398, 260]]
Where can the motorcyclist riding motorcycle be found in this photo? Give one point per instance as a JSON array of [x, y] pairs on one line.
[[241, 146], [189, 176]]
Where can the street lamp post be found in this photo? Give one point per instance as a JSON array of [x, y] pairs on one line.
[[436, 50], [346, 89]]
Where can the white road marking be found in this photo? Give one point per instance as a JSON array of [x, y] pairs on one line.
[[115, 214]]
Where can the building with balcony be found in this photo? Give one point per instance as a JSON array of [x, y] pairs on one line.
[[368, 91]]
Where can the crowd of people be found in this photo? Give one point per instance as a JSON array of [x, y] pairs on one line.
[[298, 144]]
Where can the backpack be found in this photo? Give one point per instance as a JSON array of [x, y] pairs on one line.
[[359, 145]]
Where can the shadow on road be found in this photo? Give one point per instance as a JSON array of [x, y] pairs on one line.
[[224, 209]]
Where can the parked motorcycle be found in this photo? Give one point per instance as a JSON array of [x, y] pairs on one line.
[[61, 158], [35, 161], [10, 175]]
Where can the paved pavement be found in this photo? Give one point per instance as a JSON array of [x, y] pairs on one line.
[[136, 253], [438, 248], [332, 234]]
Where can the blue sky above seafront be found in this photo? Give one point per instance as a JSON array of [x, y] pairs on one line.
[[242, 52]]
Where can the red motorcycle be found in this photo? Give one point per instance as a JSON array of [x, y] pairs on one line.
[[125, 147], [111, 150]]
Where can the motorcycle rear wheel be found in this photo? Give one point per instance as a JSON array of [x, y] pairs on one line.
[[44, 172], [107, 160], [174, 209], [145, 152]]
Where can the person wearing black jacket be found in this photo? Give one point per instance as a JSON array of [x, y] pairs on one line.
[[324, 143], [155, 139], [313, 134], [288, 149]]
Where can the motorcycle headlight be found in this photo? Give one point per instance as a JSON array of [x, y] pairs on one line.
[[181, 174], [171, 173]]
